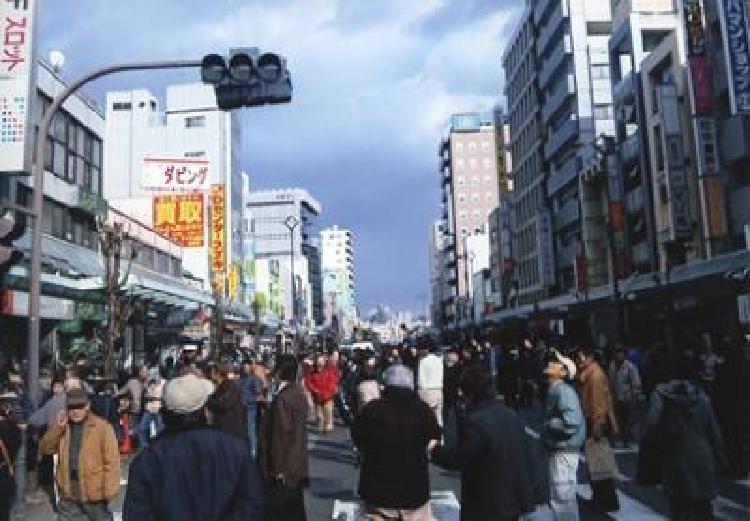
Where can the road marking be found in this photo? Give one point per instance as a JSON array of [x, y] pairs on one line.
[[445, 507], [725, 508]]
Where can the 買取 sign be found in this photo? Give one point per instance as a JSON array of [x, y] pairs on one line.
[[733, 18], [16, 84]]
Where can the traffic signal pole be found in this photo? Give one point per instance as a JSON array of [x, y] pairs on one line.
[[32, 383]]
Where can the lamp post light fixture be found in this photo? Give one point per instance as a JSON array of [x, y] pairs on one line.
[[291, 223]]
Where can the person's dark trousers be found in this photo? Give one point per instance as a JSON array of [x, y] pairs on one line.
[[686, 509], [604, 498], [7, 494], [624, 412], [252, 428], [450, 426], [83, 511], [285, 503], [343, 409]]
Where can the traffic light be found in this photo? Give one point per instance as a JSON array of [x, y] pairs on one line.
[[247, 78], [10, 230]]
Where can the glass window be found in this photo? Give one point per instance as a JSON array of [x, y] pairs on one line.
[[80, 141], [57, 221], [195, 121], [72, 168], [80, 171], [87, 142], [95, 180], [96, 152], [48, 148], [47, 217], [78, 230], [72, 135], [59, 159], [473, 163]]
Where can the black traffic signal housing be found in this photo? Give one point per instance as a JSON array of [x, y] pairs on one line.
[[10, 231], [247, 79]]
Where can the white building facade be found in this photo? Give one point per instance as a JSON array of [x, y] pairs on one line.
[[269, 248], [337, 267], [161, 162]]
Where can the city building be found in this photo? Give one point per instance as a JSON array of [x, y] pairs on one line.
[[576, 108], [269, 214], [531, 278], [179, 171], [470, 189], [166, 305], [337, 265], [637, 29], [436, 271]]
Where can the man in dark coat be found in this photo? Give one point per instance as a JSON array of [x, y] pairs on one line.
[[683, 435], [392, 434], [192, 472], [283, 446], [225, 404], [492, 454]]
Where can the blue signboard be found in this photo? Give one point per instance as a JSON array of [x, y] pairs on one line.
[[734, 28]]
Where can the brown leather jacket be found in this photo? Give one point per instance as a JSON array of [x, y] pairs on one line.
[[596, 400], [99, 459]]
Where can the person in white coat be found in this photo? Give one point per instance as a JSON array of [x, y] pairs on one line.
[[430, 381]]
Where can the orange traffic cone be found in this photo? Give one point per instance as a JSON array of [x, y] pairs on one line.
[[126, 447]]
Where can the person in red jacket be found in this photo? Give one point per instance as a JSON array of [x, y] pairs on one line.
[[321, 383]]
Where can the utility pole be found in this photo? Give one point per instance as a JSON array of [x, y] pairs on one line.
[[291, 223]]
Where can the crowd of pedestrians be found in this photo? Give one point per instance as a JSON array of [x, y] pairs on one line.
[[220, 441]]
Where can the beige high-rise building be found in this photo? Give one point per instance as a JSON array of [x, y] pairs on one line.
[[470, 187]]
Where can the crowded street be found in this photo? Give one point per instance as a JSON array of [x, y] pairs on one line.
[[374, 260]]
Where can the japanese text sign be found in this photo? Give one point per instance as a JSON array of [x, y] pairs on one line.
[[175, 174], [16, 84], [218, 229], [736, 33], [180, 217]]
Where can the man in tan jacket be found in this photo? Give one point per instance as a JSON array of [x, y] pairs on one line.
[[88, 474], [596, 401]]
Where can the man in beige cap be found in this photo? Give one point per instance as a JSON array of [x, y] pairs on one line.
[[88, 474], [192, 472]]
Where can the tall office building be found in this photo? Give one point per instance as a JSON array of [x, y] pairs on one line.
[[576, 108], [179, 171], [532, 274], [338, 272], [435, 270], [271, 245], [470, 188]]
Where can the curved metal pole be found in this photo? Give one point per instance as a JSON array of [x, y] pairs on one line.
[[32, 383]]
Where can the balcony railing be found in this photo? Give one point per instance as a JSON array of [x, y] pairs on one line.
[[560, 137], [548, 31], [553, 104], [556, 59]]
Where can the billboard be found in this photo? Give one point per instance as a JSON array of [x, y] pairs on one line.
[[181, 218], [175, 174], [698, 62], [733, 17], [679, 196], [16, 84], [218, 229]]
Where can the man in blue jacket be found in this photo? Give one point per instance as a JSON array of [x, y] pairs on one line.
[[193, 472], [563, 435]]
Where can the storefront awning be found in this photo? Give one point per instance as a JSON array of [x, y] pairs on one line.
[[64, 256], [165, 290]]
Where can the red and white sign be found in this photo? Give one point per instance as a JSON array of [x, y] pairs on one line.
[[16, 303], [175, 174], [16, 78]]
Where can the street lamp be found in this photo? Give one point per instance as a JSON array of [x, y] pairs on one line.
[[291, 223]]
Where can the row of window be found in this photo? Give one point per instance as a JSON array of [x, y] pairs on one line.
[[463, 215], [471, 146], [474, 163], [461, 180], [72, 152], [476, 198]]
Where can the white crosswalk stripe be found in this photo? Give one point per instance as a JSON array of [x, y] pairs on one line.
[[445, 507]]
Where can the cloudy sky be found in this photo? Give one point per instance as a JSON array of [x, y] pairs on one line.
[[374, 80]]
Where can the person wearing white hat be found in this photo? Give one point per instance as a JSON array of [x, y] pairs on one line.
[[176, 476], [563, 435]]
